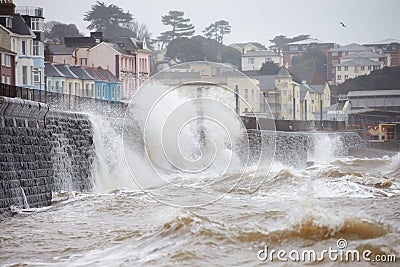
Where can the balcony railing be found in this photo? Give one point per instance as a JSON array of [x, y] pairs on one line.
[[30, 11], [59, 101]]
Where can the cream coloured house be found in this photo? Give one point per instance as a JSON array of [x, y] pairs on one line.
[[253, 60], [244, 48], [205, 74], [292, 101]]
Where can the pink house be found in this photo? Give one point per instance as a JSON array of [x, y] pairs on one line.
[[127, 58]]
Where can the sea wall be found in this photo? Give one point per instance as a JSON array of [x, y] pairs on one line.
[[40, 152], [297, 148]]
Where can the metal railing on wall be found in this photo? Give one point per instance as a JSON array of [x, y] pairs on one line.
[[59, 101]]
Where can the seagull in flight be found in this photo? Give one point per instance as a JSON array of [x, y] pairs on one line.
[[343, 25]]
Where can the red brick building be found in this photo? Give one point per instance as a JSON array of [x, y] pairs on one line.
[[7, 68], [298, 48], [388, 46]]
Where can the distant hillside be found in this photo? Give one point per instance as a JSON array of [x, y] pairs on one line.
[[386, 78]]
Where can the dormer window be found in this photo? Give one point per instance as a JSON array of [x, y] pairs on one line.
[[36, 24], [9, 22]]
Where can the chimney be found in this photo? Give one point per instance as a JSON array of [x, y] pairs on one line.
[[7, 8]]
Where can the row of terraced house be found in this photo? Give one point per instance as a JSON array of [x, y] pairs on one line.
[[343, 62], [82, 66]]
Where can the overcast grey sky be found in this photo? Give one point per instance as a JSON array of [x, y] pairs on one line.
[[257, 20]]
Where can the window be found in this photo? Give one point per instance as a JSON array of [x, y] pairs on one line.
[[49, 85], [8, 22], [250, 60], [70, 87], [98, 91], [3, 79], [294, 48], [92, 90], [113, 92], [77, 88], [284, 93], [36, 24], [339, 77], [335, 54], [346, 68], [62, 85], [335, 61], [8, 80], [24, 75], [346, 77], [284, 106], [36, 75], [23, 47], [339, 68], [268, 59], [376, 67], [83, 61], [369, 67], [104, 91], [362, 67], [87, 89], [36, 48], [57, 85], [246, 94]]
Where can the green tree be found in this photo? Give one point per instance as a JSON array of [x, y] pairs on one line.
[[55, 31], [232, 56], [313, 59], [214, 51], [184, 50], [181, 27], [282, 39], [269, 68], [102, 17], [217, 30]]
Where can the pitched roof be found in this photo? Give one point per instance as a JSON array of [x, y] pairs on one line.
[[81, 73], [100, 74], [263, 53], [283, 72], [61, 49], [19, 26], [64, 69], [318, 88], [51, 71], [365, 54], [386, 41], [304, 88], [351, 47], [108, 75], [359, 62], [129, 43], [242, 45], [307, 41]]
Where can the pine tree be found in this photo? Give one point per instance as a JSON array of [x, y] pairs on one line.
[[217, 30], [181, 27]]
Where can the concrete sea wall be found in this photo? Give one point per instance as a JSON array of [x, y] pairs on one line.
[[41, 152]]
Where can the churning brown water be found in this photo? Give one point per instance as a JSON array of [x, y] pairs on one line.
[[295, 209]]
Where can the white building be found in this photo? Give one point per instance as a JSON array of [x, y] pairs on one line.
[[353, 60], [244, 48], [253, 60], [352, 67]]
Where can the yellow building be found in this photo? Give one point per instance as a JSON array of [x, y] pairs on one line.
[[205, 76]]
